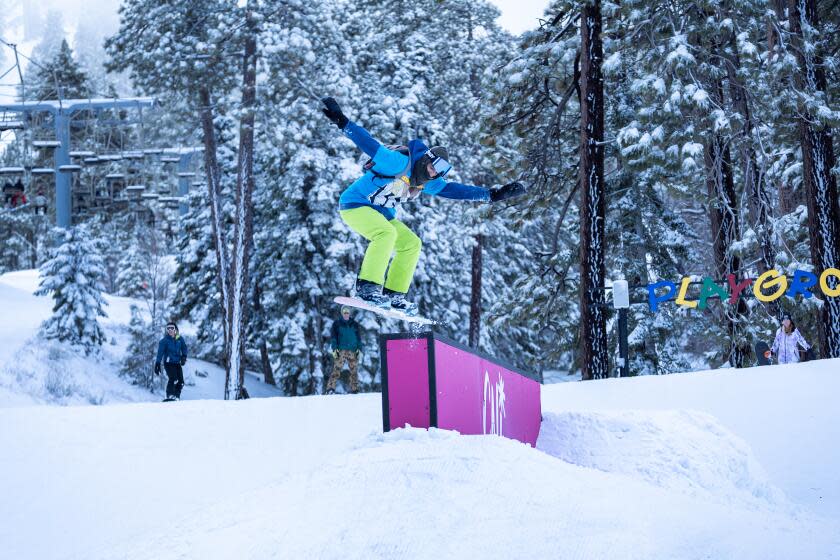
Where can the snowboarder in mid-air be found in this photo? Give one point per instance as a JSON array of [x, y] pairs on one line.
[[172, 350], [394, 175]]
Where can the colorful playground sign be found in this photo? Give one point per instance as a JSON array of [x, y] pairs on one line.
[[768, 287]]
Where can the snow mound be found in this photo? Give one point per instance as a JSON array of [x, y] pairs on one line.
[[414, 493], [49, 372], [679, 450]]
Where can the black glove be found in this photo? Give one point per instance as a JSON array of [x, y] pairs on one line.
[[157, 368], [333, 112], [507, 191], [183, 361]]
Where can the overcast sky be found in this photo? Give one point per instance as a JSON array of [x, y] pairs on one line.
[[517, 16], [520, 15]]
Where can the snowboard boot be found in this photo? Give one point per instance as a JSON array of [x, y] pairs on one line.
[[399, 303], [371, 293]]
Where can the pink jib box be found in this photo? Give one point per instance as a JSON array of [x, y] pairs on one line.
[[431, 381]]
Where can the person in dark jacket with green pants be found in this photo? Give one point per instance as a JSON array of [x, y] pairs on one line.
[[172, 350], [346, 342]]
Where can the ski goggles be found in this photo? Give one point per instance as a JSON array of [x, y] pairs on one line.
[[442, 167]]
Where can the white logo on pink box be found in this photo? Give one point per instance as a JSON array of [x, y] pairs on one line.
[[494, 403]]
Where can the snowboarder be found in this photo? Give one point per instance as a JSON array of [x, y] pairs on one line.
[[787, 343], [346, 344], [394, 175], [173, 351]]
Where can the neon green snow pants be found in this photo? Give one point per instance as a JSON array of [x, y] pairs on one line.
[[385, 237]]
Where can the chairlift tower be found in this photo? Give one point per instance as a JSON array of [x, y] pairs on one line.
[[63, 112], [185, 175]]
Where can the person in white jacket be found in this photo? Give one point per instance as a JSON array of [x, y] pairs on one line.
[[787, 343]]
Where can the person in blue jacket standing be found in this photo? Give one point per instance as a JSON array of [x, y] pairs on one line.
[[346, 343], [172, 351], [369, 207]]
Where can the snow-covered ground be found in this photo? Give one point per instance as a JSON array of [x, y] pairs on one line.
[[36, 371], [724, 464]]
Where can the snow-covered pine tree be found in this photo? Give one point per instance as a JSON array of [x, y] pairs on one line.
[[60, 77], [648, 237], [73, 278], [149, 278], [154, 41], [536, 97], [139, 357], [690, 86], [816, 116], [196, 298], [303, 252]]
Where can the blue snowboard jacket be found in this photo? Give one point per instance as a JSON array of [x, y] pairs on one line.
[[171, 350], [385, 194]]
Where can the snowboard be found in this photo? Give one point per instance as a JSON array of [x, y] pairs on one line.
[[761, 349], [389, 313]]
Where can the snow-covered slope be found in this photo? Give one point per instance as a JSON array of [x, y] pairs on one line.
[[684, 466], [38, 371], [788, 414]]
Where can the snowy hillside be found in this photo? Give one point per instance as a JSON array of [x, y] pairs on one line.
[[37, 371], [712, 465]]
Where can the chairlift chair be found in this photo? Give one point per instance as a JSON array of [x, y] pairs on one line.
[[46, 144], [10, 121], [134, 191]]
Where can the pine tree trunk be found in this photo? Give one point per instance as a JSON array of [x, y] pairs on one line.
[[265, 362], [214, 191], [243, 218], [817, 163], [593, 337], [475, 296], [753, 179], [723, 218], [724, 221]]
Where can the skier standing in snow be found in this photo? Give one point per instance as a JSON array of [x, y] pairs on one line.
[[369, 207], [787, 343], [172, 350], [346, 343]]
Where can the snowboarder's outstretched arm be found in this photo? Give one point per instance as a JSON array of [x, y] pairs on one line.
[[460, 191], [385, 160], [361, 137]]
